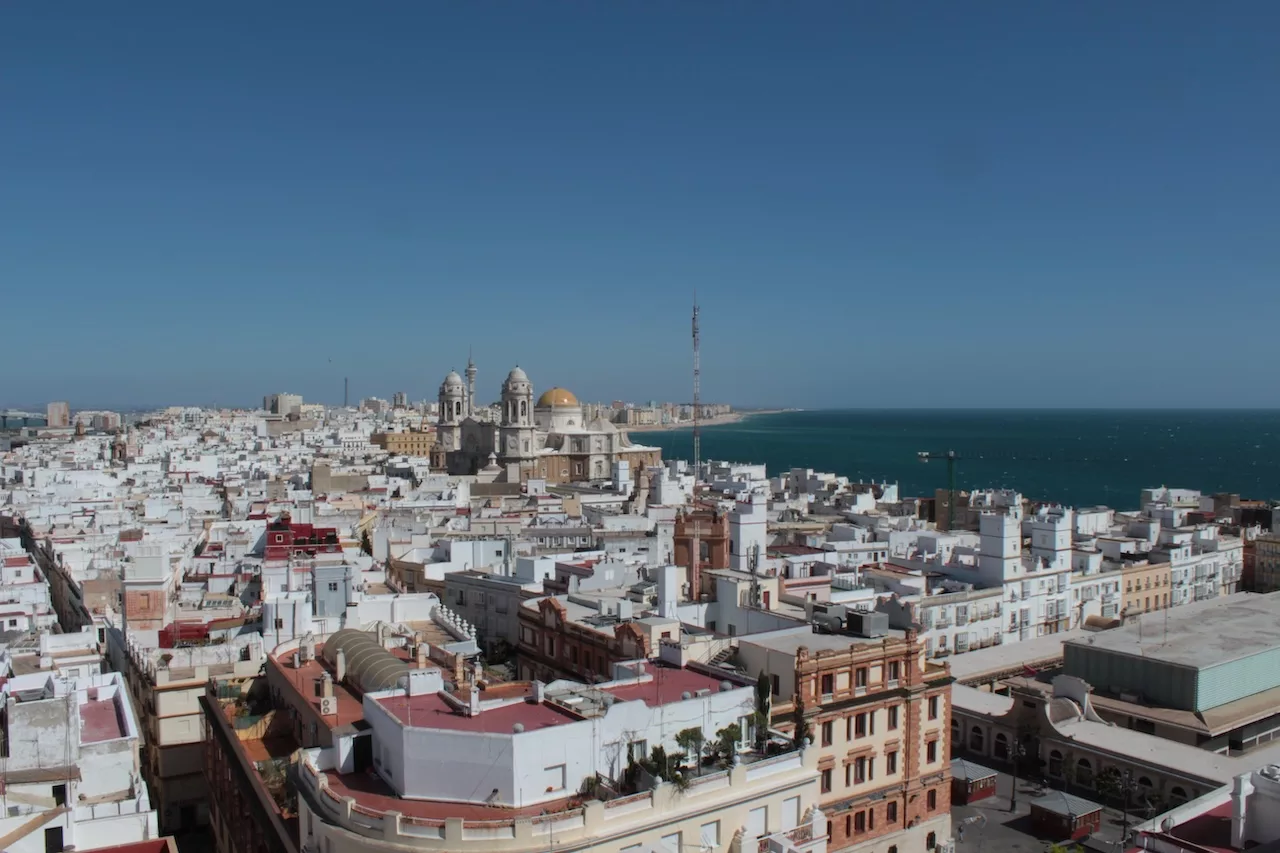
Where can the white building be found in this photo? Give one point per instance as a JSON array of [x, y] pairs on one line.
[[72, 767], [511, 765]]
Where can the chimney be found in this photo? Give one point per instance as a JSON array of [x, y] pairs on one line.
[[1241, 788], [340, 665], [421, 655], [326, 686], [539, 692]]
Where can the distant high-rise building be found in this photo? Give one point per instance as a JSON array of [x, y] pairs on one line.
[[59, 414], [400, 400], [282, 404]]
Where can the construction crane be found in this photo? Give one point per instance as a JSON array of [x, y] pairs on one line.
[[950, 456]]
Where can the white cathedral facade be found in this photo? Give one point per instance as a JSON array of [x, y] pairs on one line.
[[547, 439]]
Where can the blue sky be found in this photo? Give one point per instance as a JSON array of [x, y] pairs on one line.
[[879, 204]]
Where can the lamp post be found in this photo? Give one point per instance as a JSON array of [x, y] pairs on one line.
[[1016, 751]]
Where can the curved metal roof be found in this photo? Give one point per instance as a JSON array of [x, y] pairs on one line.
[[370, 667]]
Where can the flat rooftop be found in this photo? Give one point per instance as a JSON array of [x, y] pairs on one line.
[[667, 686], [789, 640], [431, 711], [1198, 635], [100, 721]]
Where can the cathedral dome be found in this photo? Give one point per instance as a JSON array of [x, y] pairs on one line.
[[453, 379], [557, 397], [517, 375]]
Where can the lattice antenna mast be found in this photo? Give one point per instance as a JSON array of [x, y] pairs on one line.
[[697, 396]]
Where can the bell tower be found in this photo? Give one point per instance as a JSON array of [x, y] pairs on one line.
[[516, 430]]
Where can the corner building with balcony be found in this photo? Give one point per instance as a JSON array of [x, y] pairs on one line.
[[526, 767], [878, 713]]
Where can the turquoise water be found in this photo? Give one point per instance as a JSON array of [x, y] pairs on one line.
[[1074, 456]]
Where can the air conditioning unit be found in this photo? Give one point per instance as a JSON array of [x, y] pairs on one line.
[[328, 706]]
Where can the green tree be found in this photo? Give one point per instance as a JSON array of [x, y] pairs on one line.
[[802, 725], [764, 692], [366, 542], [727, 740], [691, 740]]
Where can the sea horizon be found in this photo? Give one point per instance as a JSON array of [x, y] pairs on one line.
[[1080, 457]]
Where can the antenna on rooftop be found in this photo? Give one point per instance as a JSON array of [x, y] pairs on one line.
[[697, 396]]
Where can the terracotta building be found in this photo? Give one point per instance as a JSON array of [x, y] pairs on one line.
[[405, 443], [562, 638], [880, 715], [711, 529]]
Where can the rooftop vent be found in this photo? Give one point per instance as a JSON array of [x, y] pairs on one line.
[[518, 728]]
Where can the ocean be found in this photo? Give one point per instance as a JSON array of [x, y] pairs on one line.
[[1076, 457]]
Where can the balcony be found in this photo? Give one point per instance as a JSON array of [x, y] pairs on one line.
[[802, 839]]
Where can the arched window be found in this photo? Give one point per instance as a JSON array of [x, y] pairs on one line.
[[1145, 784], [1084, 773], [957, 739], [931, 841], [1177, 796], [1055, 764], [1001, 747], [523, 408], [975, 739]]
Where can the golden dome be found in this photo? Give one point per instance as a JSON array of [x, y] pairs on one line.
[[557, 397]]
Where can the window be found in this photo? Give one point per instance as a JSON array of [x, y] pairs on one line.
[[710, 833], [893, 717], [826, 781], [671, 843], [1001, 748], [871, 767], [860, 822], [931, 799], [871, 722], [932, 752], [1084, 773], [975, 739], [827, 734], [1055, 764], [933, 707], [333, 587], [777, 685], [828, 684], [893, 670], [891, 762], [555, 777], [931, 841], [859, 770], [860, 725], [891, 814], [860, 677]]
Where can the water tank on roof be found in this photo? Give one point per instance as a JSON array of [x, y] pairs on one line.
[[868, 624], [370, 667]]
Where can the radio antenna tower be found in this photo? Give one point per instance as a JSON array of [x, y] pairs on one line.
[[697, 396]]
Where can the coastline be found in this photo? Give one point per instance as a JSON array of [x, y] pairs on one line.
[[721, 420]]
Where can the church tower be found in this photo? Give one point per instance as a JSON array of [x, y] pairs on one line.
[[516, 430], [471, 387], [452, 411]]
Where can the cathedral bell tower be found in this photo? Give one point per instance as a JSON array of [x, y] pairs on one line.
[[516, 430], [452, 412]]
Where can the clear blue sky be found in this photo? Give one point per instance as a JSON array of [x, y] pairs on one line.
[[880, 204]]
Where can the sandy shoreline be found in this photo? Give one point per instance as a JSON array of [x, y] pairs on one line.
[[731, 418]]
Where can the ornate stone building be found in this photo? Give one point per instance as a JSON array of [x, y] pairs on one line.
[[549, 439]]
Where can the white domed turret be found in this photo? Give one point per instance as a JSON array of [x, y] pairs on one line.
[[517, 399], [453, 395]]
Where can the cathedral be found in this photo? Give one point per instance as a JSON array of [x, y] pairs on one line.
[[547, 439]]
